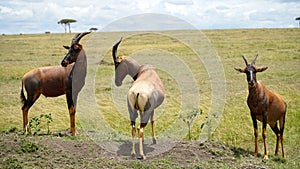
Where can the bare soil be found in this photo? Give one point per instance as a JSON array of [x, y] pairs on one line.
[[62, 151]]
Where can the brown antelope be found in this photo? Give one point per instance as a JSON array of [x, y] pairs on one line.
[[265, 106], [145, 94], [53, 81]]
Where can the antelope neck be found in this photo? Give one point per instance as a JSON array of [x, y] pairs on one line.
[[133, 68]]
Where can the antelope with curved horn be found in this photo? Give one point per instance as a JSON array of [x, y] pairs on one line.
[[53, 81], [265, 106], [145, 94]]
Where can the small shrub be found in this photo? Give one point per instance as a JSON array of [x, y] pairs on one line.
[[189, 118], [11, 162], [35, 123], [27, 147], [10, 130]]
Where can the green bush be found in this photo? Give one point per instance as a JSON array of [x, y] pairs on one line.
[[11, 162], [189, 118], [35, 123], [27, 147]]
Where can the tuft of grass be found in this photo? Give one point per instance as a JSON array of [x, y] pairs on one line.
[[26, 146], [11, 162]]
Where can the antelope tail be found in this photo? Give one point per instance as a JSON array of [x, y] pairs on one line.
[[136, 105], [22, 96], [141, 102]]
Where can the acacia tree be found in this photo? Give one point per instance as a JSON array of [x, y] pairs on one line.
[[66, 23], [298, 19]]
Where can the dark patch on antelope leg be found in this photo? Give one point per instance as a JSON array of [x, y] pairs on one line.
[[282, 122], [132, 123], [143, 125], [71, 106], [264, 120], [255, 134]]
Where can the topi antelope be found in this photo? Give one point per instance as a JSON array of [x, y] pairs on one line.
[[145, 94], [264, 106], [53, 81]]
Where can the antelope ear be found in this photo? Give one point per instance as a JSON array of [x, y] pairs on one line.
[[240, 70], [261, 69], [66, 47]]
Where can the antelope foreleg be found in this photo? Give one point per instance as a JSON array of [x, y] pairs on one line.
[[265, 144], [255, 134], [72, 111], [264, 134]]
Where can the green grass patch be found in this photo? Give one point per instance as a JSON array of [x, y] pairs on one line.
[[277, 48]]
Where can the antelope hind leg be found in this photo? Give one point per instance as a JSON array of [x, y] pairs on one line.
[[142, 155], [153, 132], [133, 139], [278, 137], [26, 128]]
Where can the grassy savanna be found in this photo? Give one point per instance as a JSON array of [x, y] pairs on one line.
[[277, 48]]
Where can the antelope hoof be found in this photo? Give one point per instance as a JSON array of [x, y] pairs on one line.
[[141, 157], [133, 155], [266, 157], [73, 132], [27, 129], [154, 141]]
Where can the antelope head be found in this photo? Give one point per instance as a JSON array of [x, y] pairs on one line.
[[124, 66], [120, 71], [117, 60], [74, 49], [250, 70]]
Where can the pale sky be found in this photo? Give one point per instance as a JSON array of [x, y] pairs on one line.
[[39, 16]]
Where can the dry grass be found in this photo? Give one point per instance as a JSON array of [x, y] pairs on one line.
[[277, 48]]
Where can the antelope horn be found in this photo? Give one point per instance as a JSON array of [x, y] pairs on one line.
[[246, 62], [78, 36], [254, 59], [114, 51]]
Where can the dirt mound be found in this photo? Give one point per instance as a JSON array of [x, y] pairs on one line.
[[50, 151]]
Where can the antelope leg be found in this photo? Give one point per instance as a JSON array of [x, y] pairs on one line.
[[72, 120], [264, 134], [142, 155], [133, 141]]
